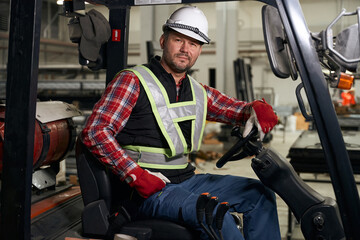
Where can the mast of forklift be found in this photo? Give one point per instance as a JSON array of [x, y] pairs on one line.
[[22, 70], [324, 116], [21, 91]]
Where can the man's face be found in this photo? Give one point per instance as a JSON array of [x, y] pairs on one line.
[[180, 52]]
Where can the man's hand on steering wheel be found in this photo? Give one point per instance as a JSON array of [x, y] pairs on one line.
[[262, 116]]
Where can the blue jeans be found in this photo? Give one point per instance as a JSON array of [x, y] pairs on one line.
[[247, 196]]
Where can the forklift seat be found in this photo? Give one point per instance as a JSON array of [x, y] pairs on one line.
[[108, 209]]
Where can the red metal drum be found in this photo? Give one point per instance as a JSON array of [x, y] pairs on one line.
[[52, 140]]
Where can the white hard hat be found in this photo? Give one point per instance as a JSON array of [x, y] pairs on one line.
[[189, 21]]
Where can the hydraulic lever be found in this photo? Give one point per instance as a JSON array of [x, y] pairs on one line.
[[201, 203], [209, 209], [219, 217]]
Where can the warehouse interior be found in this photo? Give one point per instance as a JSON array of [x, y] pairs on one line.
[[237, 40]]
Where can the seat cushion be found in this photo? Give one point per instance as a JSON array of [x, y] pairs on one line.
[[165, 230]]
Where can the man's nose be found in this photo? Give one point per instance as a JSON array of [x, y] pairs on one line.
[[184, 47]]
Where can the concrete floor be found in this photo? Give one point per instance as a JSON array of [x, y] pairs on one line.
[[281, 142]]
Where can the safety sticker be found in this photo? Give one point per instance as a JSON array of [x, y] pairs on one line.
[[116, 35]]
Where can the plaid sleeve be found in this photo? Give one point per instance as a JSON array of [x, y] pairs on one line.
[[225, 109], [109, 116]]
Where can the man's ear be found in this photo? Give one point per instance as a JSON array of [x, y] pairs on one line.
[[162, 41]]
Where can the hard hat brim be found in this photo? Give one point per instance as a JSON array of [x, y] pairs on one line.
[[188, 33]]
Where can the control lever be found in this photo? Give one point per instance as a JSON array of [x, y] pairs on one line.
[[219, 217], [209, 209], [201, 203]]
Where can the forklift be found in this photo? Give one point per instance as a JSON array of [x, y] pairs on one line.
[[293, 51]]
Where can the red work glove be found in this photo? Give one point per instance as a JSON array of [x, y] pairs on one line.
[[262, 116], [145, 182]]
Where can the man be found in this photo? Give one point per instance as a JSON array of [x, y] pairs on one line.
[[151, 117]]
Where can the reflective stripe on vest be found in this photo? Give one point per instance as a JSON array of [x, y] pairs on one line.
[[167, 116], [157, 160]]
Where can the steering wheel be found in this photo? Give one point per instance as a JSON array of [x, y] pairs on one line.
[[244, 147]]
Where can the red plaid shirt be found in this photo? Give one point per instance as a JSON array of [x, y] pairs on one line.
[[112, 111]]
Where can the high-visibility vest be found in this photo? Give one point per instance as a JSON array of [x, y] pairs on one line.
[[168, 115]]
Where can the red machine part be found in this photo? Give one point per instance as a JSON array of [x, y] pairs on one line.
[[52, 140]]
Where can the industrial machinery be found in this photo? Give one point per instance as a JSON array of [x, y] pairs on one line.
[[54, 138]]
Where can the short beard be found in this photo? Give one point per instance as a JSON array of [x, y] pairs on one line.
[[172, 65]]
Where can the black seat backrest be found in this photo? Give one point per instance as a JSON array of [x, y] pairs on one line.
[[98, 183], [104, 194], [93, 178]]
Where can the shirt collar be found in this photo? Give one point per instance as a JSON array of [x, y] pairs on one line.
[[181, 80]]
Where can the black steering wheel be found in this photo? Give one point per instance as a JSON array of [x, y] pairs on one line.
[[244, 147]]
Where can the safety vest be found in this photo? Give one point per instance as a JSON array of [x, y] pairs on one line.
[[167, 116]]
